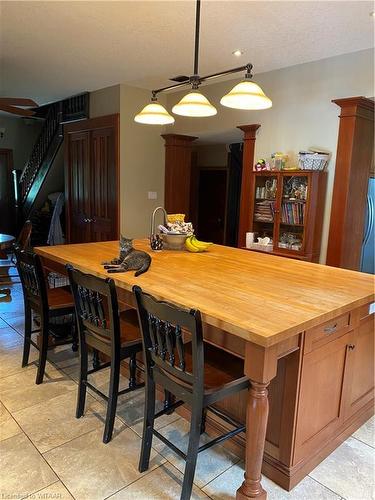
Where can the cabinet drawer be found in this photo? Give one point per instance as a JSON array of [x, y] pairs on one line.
[[366, 311], [326, 332]]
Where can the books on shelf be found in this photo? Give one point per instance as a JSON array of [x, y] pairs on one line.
[[293, 212], [264, 211]]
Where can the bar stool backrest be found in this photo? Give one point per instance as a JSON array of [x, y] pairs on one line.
[[163, 326], [96, 307], [32, 278]]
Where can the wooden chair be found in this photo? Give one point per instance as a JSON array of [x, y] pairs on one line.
[[194, 372], [48, 303], [102, 328], [22, 243]]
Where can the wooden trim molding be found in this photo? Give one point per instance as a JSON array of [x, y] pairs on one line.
[[355, 149], [250, 132]]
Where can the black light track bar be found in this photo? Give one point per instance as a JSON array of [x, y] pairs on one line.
[[248, 67]]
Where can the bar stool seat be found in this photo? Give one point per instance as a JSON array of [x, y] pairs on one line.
[[130, 334], [220, 367], [129, 327], [60, 298]]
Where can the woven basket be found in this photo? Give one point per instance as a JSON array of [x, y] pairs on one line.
[[313, 161]]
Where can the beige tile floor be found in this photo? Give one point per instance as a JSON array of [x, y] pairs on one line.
[[45, 452]]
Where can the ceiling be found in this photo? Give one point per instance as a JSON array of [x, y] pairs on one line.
[[53, 49]]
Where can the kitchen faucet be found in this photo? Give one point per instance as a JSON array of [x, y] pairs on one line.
[[155, 240]]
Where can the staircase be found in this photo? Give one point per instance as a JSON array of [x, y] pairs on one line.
[[46, 147]]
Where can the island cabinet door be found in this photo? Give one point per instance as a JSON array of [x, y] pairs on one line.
[[324, 371], [359, 390]]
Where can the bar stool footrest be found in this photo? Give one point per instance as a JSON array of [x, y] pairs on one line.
[[166, 441], [238, 429], [131, 389]]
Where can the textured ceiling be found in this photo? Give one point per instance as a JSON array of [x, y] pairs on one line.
[[55, 49]]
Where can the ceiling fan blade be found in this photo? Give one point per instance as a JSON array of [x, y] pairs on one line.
[[16, 111], [17, 101]]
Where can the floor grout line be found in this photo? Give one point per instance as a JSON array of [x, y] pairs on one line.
[[41, 489], [363, 442], [321, 484], [144, 474], [68, 441], [44, 460]]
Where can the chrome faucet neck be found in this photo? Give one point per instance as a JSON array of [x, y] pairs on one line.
[[153, 230]]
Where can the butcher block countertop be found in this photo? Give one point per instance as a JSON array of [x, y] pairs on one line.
[[261, 298]]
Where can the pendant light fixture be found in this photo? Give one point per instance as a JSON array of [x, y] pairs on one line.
[[246, 95], [154, 114], [194, 104]]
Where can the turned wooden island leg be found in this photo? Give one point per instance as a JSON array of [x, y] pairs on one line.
[[260, 367]]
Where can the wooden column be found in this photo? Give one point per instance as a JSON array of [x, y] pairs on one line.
[[260, 367], [353, 162], [178, 150], [247, 167]]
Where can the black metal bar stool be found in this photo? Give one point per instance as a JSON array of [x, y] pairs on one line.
[[194, 372], [101, 327], [48, 303]]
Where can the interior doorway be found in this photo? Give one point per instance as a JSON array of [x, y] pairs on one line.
[[212, 194], [215, 192]]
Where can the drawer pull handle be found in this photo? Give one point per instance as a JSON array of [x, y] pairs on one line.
[[351, 347], [330, 329]]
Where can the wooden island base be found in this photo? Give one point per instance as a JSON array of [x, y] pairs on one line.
[[307, 341], [314, 371]]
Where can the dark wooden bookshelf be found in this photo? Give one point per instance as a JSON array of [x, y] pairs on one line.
[[291, 204]]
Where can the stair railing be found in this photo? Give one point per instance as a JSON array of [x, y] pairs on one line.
[[49, 129]]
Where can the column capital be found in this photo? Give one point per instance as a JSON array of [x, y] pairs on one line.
[[356, 107], [178, 139], [250, 130]]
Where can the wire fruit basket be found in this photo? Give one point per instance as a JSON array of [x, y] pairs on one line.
[[313, 161]]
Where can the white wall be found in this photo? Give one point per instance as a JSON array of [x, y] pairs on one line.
[[19, 137], [141, 156], [105, 101], [142, 164], [302, 114]]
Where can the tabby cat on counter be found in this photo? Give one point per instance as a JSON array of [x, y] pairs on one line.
[[129, 259]]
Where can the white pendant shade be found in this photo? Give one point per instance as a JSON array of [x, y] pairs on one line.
[[246, 95], [194, 104], [154, 114]]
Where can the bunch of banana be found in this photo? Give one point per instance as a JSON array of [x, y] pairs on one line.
[[194, 245]]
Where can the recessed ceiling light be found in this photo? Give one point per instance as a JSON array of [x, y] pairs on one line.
[[237, 53], [372, 14]]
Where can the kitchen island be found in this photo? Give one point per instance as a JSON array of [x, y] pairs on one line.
[[305, 332]]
